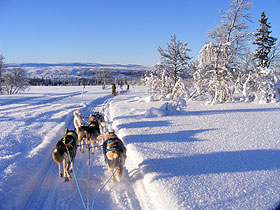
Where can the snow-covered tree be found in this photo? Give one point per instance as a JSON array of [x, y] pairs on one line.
[[260, 86], [265, 43], [14, 80], [180, 90], [174, 58], [166, 78], [161, 85], [104, 76], [219, 61], [159, 81], [229, 37]]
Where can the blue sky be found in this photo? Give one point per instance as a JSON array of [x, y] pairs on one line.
[[111, 31]]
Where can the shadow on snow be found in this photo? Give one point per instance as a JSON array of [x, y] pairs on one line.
[[214, 163], [212, 112], [181, 136]]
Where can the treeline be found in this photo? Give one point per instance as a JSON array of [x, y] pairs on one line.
[[13, 80], [226, 65]]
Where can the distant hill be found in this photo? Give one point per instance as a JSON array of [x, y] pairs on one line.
[[66, 70], [73, 64]]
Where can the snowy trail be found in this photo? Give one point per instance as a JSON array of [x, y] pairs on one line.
[[42, 188], [224, 156]]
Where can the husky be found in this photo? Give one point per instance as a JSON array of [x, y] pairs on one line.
[[115, 155], [101, 122], [78, 119], [100, 119], [94, 130], [83, 134], [60, 154]]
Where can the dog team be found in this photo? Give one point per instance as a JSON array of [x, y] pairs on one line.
[[113, 148]]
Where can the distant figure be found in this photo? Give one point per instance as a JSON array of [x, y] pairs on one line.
[[113, 89], [83, 90], [127, 87]]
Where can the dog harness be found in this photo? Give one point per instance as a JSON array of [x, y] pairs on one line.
[[68, 144], [112, 148], [105, 150]]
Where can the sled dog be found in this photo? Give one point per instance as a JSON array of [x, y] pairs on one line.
[[114, 154], [83, 135], [94, 131], [78, 119], [60, 154], [100, 119]]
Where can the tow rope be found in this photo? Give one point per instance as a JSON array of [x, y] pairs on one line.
[[105, 184], [99, 191], [76, 178]]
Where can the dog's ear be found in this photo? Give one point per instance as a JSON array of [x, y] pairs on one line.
[[66, 130]]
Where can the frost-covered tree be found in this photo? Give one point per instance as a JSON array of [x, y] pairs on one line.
[[260, 86], [229, 37], [104, 76], [174, 58], [14, 80], [219, 61], [265, 43], [158, 81], [161, 84]]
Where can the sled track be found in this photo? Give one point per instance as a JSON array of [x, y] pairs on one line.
[[45, 190]]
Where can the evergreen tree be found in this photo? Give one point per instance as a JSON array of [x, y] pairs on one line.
[[264, 41]]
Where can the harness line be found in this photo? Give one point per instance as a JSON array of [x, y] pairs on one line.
[[76, 179], [89, 147], [88, 176], [84, 120], [105, 184]]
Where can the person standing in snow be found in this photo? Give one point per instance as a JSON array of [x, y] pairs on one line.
[[113, 89]]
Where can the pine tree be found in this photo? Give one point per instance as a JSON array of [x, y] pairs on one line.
[[264, 41], [175, 58]]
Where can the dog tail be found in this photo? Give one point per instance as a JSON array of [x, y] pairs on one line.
[[57, 158]]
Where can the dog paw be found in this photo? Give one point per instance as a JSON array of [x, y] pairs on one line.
[[66, 179], [60, 175], [70, 170]]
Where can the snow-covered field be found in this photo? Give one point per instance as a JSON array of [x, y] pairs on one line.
[[224, 156]]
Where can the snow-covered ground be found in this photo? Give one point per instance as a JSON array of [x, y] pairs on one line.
[[224, 156]]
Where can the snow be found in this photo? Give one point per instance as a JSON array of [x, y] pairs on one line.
[[223, 156]]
